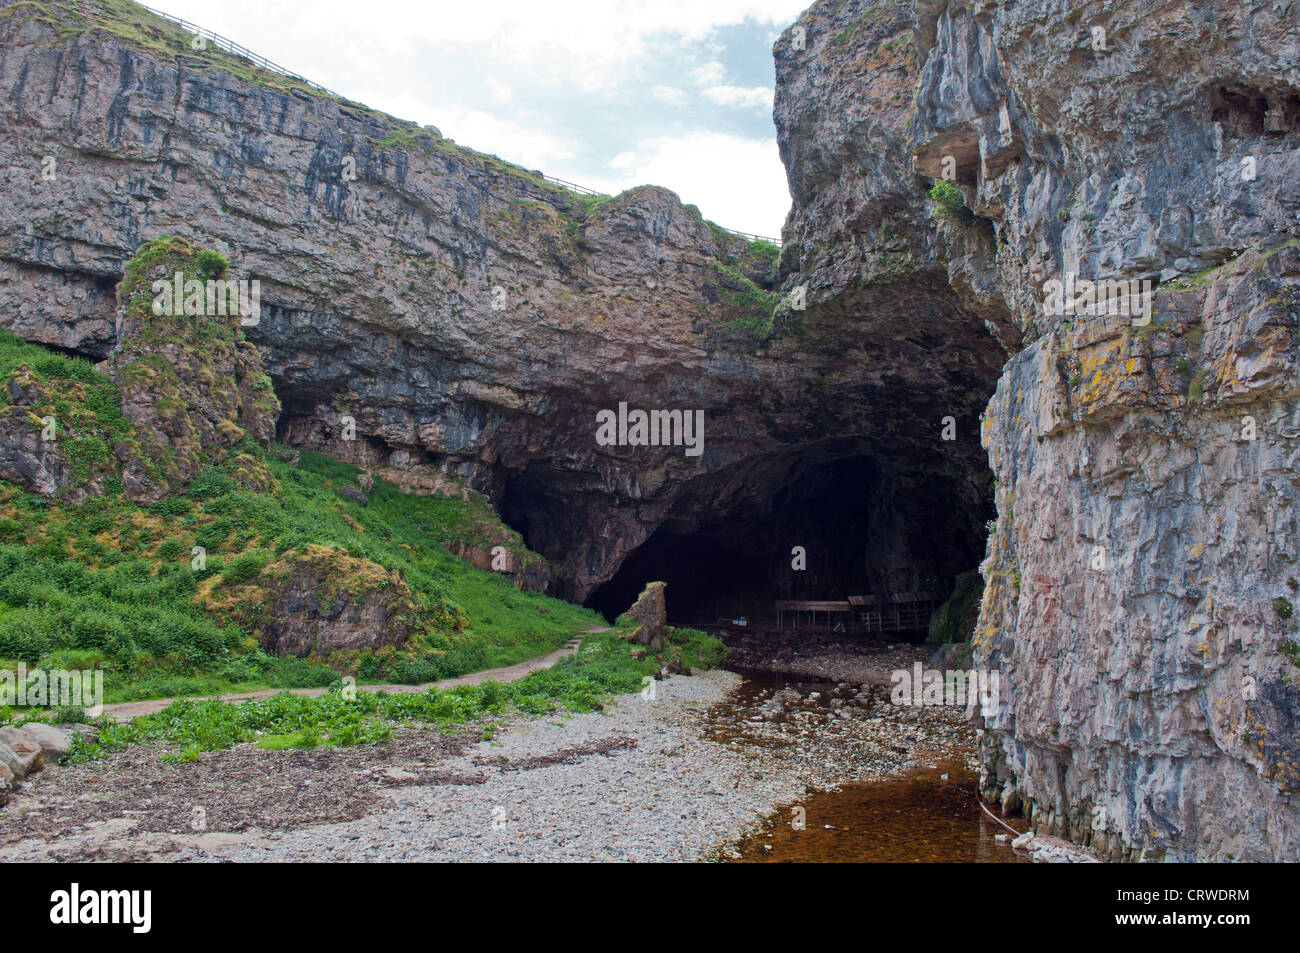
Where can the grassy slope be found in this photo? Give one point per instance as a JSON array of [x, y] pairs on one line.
[[112, 583]]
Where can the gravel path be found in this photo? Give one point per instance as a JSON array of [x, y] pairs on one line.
[[125, 711]]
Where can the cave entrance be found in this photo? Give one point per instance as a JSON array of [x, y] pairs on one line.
[[823, 530], [708, 580]]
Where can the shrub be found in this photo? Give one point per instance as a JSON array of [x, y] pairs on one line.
[[212, 264], [947, 197], [242, 568]]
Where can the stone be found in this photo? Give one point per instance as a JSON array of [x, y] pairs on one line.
[[650, 613], [354, 494], [320, 599], [22, 755], [54, 741], [366, 482], [1010, 801]]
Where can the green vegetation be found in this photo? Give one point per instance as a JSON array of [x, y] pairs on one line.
[[118, 581], [1290, 649], [1198, 280], [948, 199], [1282, 606], [171, 598], [604, 665], [874, 16], [745, 306], [84, 405], [954, 621]]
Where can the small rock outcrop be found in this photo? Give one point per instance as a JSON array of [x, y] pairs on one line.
[[316, 601], [191, 385], [650, 613], [27, 749]]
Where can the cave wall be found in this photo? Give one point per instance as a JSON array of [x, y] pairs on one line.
[[1141, 571]]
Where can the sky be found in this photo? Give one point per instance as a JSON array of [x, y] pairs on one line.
[[605, 93]]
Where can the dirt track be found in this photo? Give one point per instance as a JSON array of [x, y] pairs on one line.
[[125, 711]]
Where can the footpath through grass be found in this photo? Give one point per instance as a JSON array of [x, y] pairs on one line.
[[604, 666]]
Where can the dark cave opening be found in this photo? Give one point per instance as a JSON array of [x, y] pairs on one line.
[[707, 579], [862, 530]]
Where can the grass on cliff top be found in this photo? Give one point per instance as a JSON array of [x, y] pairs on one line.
[[605, 665], [140, 29]]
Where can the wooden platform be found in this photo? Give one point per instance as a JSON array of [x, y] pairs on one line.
[[808, 611], [888, 612], [896, 611]]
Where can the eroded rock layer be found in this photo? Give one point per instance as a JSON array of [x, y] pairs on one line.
[[1142, 569]]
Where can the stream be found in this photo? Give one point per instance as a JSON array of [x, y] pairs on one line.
[[910, 796]]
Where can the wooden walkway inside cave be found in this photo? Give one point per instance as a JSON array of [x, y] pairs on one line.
[[887, 612]]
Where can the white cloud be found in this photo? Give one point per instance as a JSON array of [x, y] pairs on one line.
[[758, 97], [588, 43], [710, 74], [379, 54], [736, 182], [499, 91], [669, 94]]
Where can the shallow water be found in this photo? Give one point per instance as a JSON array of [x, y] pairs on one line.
[[922, 818], [929, 815]]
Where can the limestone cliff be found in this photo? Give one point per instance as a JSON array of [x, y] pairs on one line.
[[1142, 568], [460, 316]]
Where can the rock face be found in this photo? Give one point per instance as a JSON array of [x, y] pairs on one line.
[[1141, 572], [444, 312], [650, 613], [190, 385], [318, 601]]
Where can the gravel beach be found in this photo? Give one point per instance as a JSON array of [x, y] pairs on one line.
[[678, 777]]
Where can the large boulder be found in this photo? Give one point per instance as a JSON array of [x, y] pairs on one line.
[[650, 613], [20, 753], [318, 600], [54, 742]]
